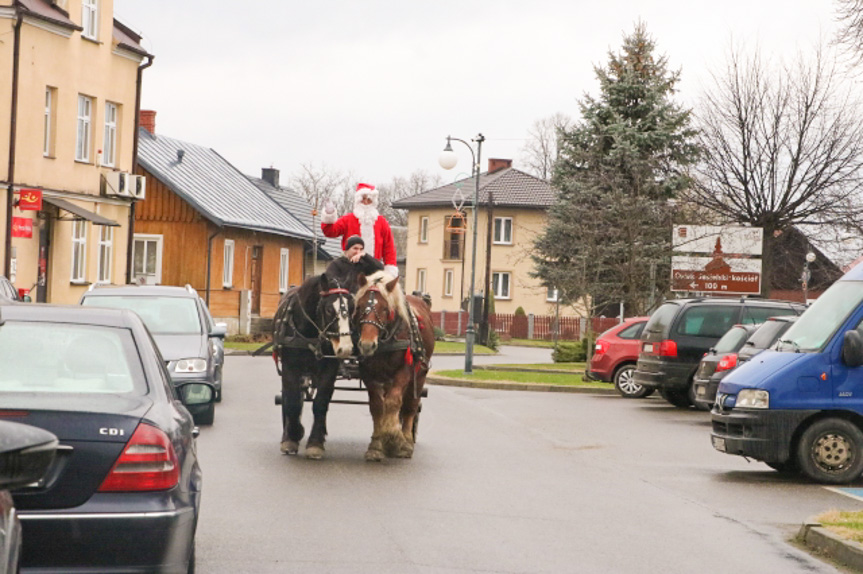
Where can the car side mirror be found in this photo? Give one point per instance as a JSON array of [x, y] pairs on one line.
[[195, 394], [26, 454], [219, 330], [852, 348]]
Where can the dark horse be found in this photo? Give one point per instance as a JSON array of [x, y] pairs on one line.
[[311, 337], [396, 341]]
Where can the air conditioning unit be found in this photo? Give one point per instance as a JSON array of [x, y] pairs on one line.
[[138, 186], [117, 184], [125, 189]]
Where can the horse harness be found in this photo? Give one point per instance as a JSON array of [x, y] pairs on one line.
[[387, 341]]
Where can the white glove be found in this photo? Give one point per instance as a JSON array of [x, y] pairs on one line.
[[329, 215]]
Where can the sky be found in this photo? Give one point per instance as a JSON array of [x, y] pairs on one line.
[[373, 87]]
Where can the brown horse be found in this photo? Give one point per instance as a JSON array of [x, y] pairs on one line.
[[396, 341]]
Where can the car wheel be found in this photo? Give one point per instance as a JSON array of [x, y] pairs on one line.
[[625, 384], [191, 569], [830, 451], [218, 380], [678, 398], [207, 417]]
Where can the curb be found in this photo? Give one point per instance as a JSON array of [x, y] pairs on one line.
[[507, 386], [846, 552]]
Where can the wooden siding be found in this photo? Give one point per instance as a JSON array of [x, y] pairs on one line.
[[184, 234]]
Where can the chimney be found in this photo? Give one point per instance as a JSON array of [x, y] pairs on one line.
[[147, 119], [270, 175], [495, 164]]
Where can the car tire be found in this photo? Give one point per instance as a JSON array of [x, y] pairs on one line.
[[218, 380], [831, 451], [626, 385], [207, 417], [676, 397], [191, 567]]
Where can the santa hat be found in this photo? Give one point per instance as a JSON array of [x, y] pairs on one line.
[[366, 190]]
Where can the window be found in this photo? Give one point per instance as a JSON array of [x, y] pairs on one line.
[[106, 253], [90, 19], [447, 283], [551, 294], [453, 245], [284, 258], [48, 128], [707, 320], [421, 280], [147, 259], [500, 285], [109, 142], [424, 229], [79, 251], [503, 230], [632, 332], [753, 314], [85, 119], [228, 269]]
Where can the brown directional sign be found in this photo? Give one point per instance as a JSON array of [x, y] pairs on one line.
[[731, 282]]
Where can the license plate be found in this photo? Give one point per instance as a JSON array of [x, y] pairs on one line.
[[648, 347], [700, 391], [719, 443]]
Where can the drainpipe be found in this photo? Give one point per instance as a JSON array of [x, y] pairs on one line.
[[209, 260], [13, 124], [130, 243]]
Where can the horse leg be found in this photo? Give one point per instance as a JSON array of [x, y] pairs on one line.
[[395, 444], [292, 410], [375, 451], [326, 382]]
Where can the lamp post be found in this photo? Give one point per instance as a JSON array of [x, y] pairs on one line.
[[804, 278], [448, 160]]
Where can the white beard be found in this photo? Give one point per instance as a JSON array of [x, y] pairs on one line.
[[367, 216]]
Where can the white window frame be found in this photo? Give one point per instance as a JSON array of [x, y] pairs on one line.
[[228, 265], [424, 229], [109, 140], [551, 294], [90, 19], [421, 280], [48, 143], [448, 280], [500, 232], [78, 268], [106, 254], [83, 141], [498, 283], [146, 239], [284, 261]]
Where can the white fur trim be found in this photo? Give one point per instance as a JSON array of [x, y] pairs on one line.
[[392, 270], [329, 218]]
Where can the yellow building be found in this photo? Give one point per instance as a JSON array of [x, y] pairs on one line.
[[439, 254], [68, 118]]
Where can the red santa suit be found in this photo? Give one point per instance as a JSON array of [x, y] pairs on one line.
[[366, 222]]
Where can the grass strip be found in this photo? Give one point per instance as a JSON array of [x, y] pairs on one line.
[[847, 524], [569, 367], [520, 377], [459, 347]]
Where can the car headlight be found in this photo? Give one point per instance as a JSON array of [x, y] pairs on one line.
[[753, 399], [190, 366]]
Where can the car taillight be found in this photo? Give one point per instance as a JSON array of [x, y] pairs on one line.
[[601, 347], [147, 463], [727, 362], [668, 348]]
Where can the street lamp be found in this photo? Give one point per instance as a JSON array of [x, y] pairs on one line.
[[804, 278], [448, 160]]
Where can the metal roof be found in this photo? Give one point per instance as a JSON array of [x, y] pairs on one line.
[[296, 205], [510, 187], [214, 187]]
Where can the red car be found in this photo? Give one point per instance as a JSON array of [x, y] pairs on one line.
[[615, 355]]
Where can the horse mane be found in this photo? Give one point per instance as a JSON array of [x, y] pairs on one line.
[[395, 298]]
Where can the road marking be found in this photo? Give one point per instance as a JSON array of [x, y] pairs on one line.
[[855, 493]]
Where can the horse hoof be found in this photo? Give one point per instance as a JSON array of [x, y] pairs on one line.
[[290, 447], [406, 451], [314, 452], [374, 455]]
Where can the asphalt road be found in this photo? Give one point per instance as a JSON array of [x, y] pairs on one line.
[[501, 481]]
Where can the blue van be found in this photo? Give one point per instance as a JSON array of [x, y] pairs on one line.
[[799, 405]]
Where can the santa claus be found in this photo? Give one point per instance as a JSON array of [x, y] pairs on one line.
[[366, 222]]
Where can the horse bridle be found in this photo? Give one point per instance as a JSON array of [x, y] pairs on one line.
[[383, 331], [344, 312]]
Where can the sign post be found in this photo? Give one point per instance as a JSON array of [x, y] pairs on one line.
[[716, 260]]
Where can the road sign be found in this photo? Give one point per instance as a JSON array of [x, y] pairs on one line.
[[719, 260]]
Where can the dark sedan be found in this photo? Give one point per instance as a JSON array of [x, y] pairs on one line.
[[123, 493]]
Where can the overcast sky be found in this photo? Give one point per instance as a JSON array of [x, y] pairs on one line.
[[375, 86]]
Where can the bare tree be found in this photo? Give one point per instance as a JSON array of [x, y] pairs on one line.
[[401, 187], [319, 184], [783, 147], [849, 14], [541, 150]]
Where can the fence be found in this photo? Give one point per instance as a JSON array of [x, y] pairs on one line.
[[524, 326]]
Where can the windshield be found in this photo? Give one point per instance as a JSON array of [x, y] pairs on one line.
[[66, 358], [767, 334], [732, 340], [162, 315], [816, 326]]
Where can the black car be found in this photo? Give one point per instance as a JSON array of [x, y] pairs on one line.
[[708, 377], [7, 290], [681, 331], [718, 361], [179, 322], [124, 491], [26, 452]]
